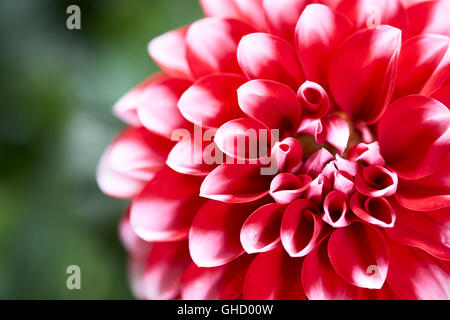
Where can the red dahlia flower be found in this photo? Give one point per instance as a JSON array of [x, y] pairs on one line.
[[347, 193]]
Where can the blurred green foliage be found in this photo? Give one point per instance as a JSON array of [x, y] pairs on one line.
[[57, 89]]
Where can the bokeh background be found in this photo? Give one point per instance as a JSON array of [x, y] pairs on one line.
[[57, 87]]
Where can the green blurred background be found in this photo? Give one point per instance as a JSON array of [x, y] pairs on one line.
[[57, 89]]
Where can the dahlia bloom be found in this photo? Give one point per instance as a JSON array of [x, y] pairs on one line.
[[350, 100]]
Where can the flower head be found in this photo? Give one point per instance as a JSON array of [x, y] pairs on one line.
[[290, 149]]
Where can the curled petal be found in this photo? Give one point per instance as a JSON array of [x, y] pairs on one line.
[[249, 11], [244, 138], [318, 32], [335, 131], [318, 188], [282, 16], [314, 100], [235, 183], [169, 52], [368, 154], [376, 211], [429, 231], [261, 230], [336, 211], [216, 283], [164, 210], [212, 100], [158, 109], [415, 275], [376, 181], [214, 234], [271, 102], [349, 167], [316, 162], [423, 65], [319, 279], [203, 53], [273, 275], [287, 154], [373, 13], [429, 17], [286, 187], [419, 127], [343, 182], [354, 88], [164, 268], [429, 193], [301, 228], [278, 61], [359, 254]]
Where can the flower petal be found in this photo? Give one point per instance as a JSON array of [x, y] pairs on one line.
[[316, 162], [354, 87], [335, 131], [217, 283], [429, 193], [359, 254], [443, 95], [203, 53], [301, 228], [235, 183], [314, 100], [134, 245], [429, 17], [244, 138], [318, 32], [373, 13], [376, 181], [336, 211], [164, 210], [278, 61], [214, 237], [376, 211], [418, 127], [414, 275], [274, 275], [320, 281], [429, 231], [287, 155], [169, 52], [423, 65], [282, 16], [261, 230], [271, 102], [158, 109], [212, 100], [249, 11], [286, 187], [164, 268]]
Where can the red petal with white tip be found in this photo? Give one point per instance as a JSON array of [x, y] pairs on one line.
[[354, 88], [286, 187], [419, 127], [376, 211], [212, 100], [271, 102], [261, 231], [301, 228], [429, 17], [282, 16], [278, 61], [204, 55], [274, 275], [164, 210], [359, 254], [415, 275], [169, 52], [214, 237]]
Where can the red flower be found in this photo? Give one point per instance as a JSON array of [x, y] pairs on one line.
[[341, 188]]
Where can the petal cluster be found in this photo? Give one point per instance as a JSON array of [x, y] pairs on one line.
[[290, 149]]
